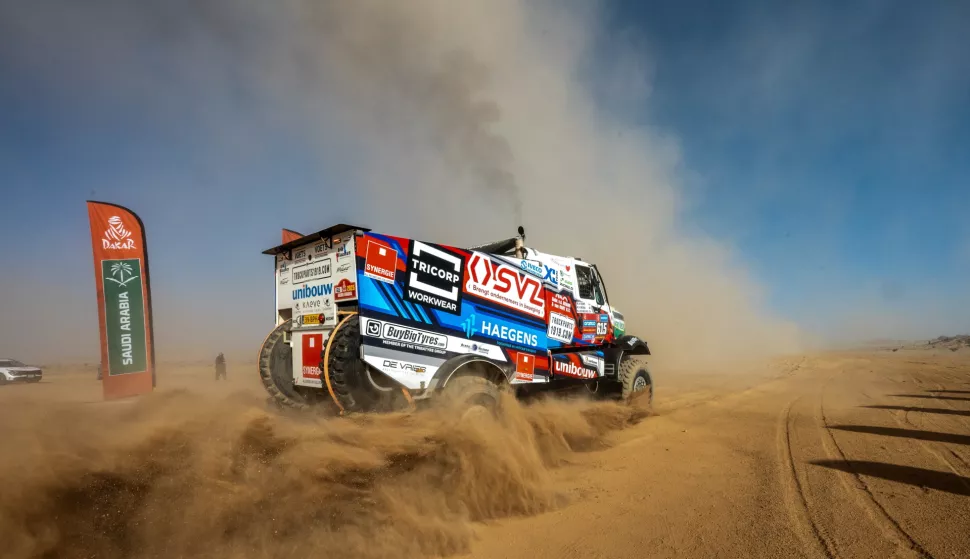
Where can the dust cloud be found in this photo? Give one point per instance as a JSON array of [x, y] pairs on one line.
[[462, 114], [182, 475], [449, 122]]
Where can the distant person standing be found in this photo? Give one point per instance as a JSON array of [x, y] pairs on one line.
[[220, 367]]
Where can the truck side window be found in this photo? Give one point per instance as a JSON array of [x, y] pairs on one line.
[[598, 289], [584, 277]]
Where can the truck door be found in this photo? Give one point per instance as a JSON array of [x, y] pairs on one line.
[[592, 306]]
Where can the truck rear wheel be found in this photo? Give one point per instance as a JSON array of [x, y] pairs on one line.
[[347, 374], [635, 382]]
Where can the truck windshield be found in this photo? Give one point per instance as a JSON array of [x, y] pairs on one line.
[[11, 363]]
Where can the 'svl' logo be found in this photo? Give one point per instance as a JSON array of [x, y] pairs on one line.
[[116, 237], [505, 285]]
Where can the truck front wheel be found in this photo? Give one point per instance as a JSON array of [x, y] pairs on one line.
[[635, 381]]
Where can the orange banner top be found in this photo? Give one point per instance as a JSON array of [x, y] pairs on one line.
[[124, 300], [290, 235]]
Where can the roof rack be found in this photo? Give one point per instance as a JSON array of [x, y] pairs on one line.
[[503, 247], [321, 234]]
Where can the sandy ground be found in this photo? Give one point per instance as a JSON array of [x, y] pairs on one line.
[[830, 455]]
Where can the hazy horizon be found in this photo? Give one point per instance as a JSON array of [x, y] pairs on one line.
[[751, 180]]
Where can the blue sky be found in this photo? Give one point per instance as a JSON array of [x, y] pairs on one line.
[[830, 141], [829, 146]]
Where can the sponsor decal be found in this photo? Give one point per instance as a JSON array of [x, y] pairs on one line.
[[312, 346], [299, 255], [320, 249], [472, 347], [583, 307], [309, 291], [564, 262], [589, 323], [534, 268], [570, 369], [404, 366], [588, 337], [124, 316], [551, 275], [561, 303], [505, 285], [397, 335], [116, 237], [604, 318], [345, 289], [312, 271], [380, 262], [509, 334], [434, 277], [591, 361], [561, 328], [314, 300], [565, 273], [469, 327], [374, 328], [343, 268], [343, 252], [525, 365], [566, 282]]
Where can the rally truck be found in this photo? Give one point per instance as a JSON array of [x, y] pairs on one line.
[[370, 322]]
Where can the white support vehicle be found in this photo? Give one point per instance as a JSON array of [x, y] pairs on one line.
[[12, 371]]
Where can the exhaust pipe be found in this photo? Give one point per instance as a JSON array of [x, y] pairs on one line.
[[520, 243]]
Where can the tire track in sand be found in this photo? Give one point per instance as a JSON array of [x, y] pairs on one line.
[[808, 529]]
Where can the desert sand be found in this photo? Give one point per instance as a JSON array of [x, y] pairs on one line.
[[850, 454]]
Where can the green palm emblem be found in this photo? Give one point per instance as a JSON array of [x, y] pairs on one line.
[[119, 269]]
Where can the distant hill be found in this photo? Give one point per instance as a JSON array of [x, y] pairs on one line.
[[952, 343]]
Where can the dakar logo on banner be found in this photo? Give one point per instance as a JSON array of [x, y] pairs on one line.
[[505, 285], [116, 237]]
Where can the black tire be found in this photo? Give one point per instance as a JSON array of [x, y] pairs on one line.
[[347, 371], [467, 392], [635, 381], [275, 370]]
